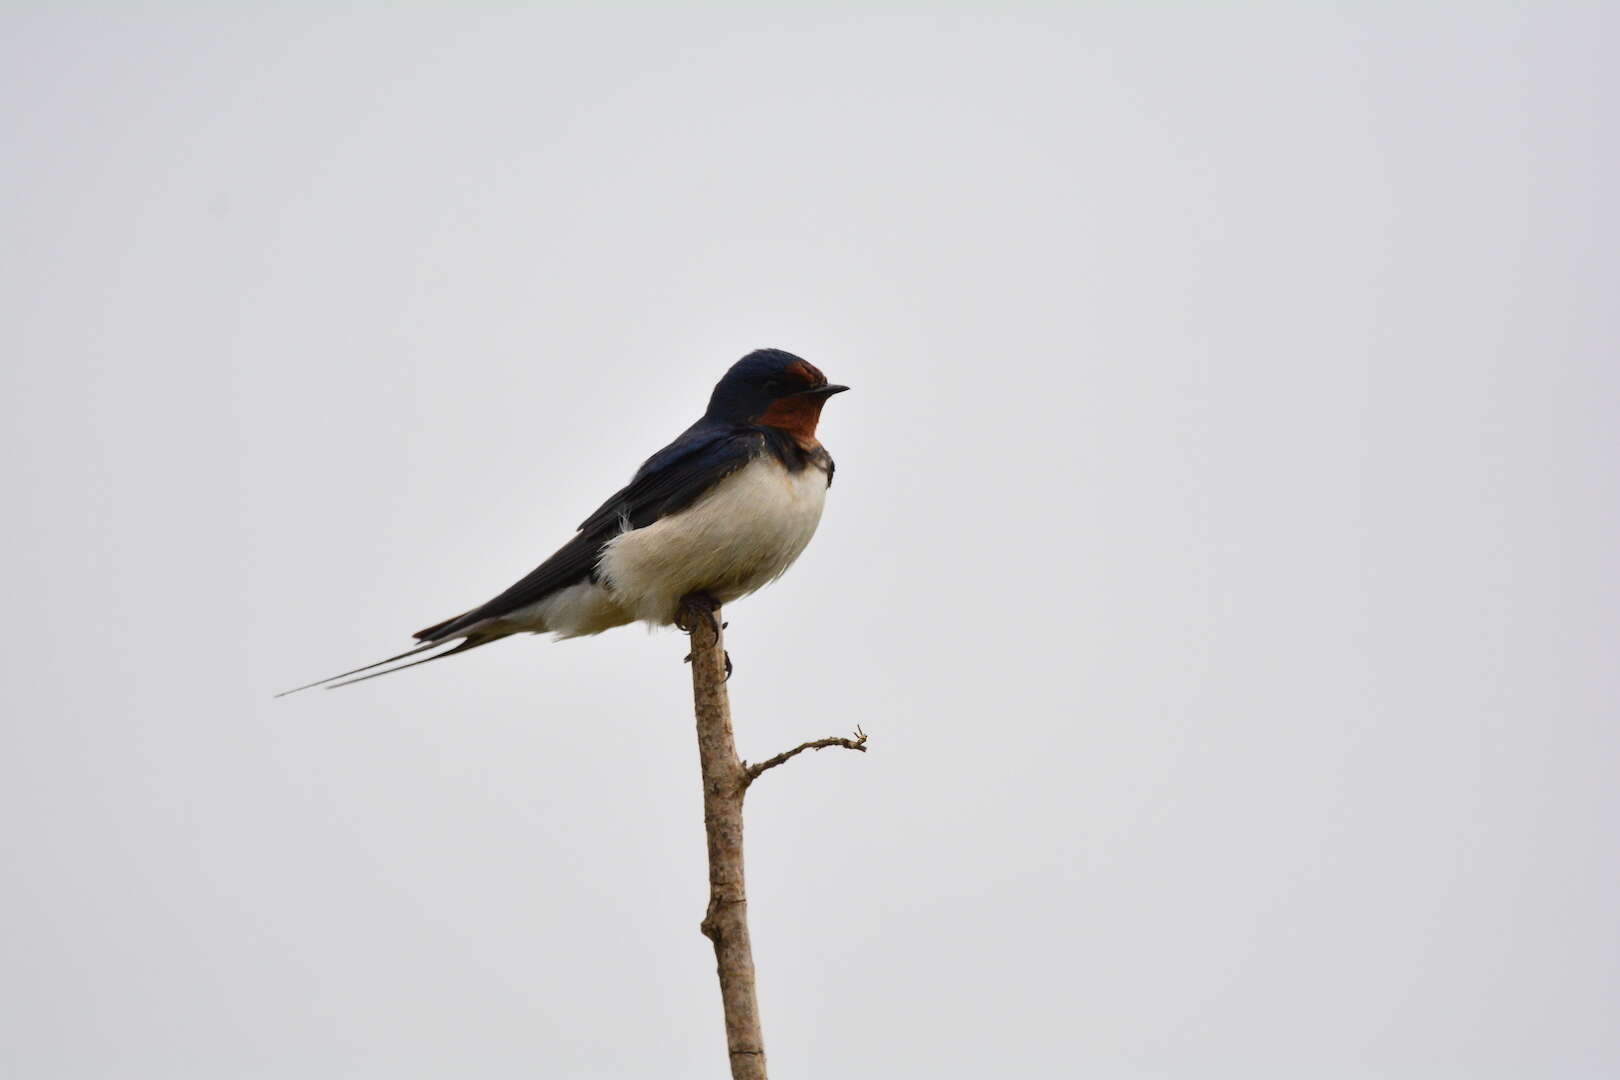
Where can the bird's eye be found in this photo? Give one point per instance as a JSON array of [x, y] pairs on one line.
[[773, 386]]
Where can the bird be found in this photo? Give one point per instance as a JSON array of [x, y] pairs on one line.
[[721, 512]]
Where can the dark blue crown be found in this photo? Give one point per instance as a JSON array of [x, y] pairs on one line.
[[759, 378]]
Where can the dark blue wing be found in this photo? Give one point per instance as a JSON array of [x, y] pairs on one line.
[[673, 478], [670, 480]]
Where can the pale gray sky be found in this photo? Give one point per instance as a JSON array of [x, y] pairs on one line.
[[1222, 557]]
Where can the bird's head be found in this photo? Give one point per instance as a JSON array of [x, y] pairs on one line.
[[774, 389]]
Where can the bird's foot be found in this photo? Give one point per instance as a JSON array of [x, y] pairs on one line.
[[695, 606], [700, 606]]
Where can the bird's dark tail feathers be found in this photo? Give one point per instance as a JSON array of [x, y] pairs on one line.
[[331, 681]]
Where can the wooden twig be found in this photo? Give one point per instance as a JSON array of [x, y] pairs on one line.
[[751, 772], [725, 781], [726, 921]]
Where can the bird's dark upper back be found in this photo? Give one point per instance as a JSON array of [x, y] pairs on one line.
[[732, 432]]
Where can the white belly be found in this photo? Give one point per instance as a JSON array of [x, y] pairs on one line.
[[739, 537]]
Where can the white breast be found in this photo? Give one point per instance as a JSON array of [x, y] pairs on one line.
[[737, 538]]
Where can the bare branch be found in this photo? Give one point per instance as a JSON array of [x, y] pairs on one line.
[[725, 781], [751, 772], [725, 923]]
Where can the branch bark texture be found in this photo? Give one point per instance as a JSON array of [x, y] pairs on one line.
[[725, 781]]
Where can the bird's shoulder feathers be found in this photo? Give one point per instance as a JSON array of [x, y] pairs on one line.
[[668, 482]]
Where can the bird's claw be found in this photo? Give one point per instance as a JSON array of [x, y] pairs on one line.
[[695, 606], [687, 659], [699, 605]]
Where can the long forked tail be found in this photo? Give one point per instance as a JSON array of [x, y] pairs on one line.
[[331, 682]]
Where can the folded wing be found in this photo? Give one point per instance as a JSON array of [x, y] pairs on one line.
[[669, 481]]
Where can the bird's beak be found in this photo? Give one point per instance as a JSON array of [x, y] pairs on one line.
[[822, 391]]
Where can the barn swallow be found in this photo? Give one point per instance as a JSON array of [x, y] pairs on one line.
[[722, 511]]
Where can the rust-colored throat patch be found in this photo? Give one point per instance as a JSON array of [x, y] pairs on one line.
[[795, 415]]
